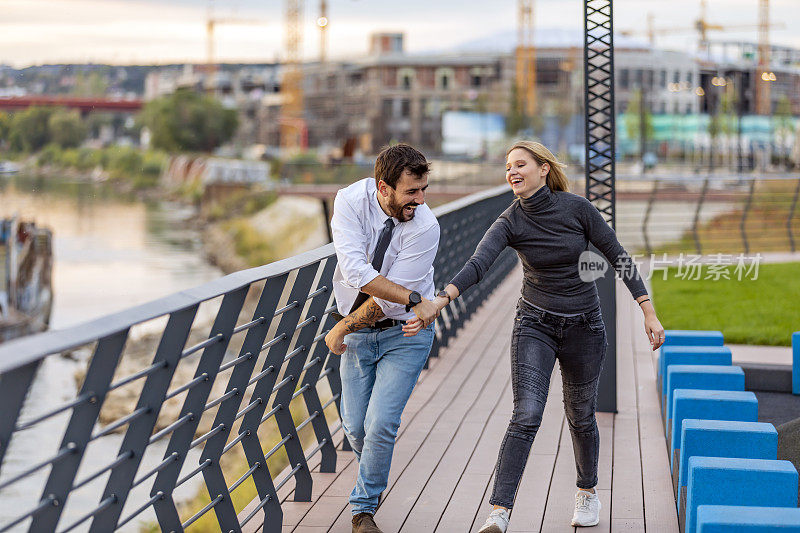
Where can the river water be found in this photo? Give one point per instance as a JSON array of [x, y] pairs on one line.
[[110, 253]]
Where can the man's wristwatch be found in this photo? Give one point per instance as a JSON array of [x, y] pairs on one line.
[[443, 294], [413, 299]]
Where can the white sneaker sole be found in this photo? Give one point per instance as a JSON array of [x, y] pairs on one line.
[[590, 524]]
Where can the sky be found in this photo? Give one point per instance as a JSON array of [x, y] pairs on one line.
[[169, 31]]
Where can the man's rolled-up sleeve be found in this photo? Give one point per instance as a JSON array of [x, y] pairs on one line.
[[349, 242], [412, 266]]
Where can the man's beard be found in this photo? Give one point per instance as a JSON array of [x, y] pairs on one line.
[[398, 211]]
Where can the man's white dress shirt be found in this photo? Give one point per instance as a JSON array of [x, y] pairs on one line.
[[356, 223]]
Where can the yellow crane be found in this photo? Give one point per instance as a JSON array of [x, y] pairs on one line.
[[293, 130], [765, 76], [322, 22], [701, 26], [525, 56], [211, 24]]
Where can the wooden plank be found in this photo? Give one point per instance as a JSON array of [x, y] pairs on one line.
[[475, 338], [469, 500], [627, 524], [404, 493], [432, 501], [605, 512], [561, 498], [605, 426], [660, 514], [531, 499], [627, 499]]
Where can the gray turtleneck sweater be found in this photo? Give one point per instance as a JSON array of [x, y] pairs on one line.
[[549, 230]]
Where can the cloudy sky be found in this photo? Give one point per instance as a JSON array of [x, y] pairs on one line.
[[164, 31]]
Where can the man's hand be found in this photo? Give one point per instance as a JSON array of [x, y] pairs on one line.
[[426, 311], [335, 340]]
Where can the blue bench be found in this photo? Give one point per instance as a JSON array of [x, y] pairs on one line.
[[728, 481], [690, 355], [736, 519], [707, 377], [721, 438], [741, 406], [689, 337]]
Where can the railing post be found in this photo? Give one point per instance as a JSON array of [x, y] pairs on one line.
[[293, 446], [95, 386], [137, 436], [598, 69], [791, 215], [745, 212], [226, 415], [696, 223], [14, 388], [650, 201], [193, 407], [309, 383]]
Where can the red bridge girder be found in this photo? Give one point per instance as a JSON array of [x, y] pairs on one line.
[[85, 105]]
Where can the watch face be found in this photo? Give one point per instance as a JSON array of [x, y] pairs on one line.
[[414, 298]]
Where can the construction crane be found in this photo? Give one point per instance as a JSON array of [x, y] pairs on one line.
[[293, 130], [765, 77], [526, 59], [701, 26], [211, 23], [322, 22]]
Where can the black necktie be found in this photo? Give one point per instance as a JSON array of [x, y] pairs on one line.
[[384, 238]]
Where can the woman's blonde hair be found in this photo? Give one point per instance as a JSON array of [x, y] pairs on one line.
[[555, 179]]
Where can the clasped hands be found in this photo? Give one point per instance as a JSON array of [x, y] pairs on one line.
[[426, 311]]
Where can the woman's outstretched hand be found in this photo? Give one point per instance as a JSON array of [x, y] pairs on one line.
[[652, 326]]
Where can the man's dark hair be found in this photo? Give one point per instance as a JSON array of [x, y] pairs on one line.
[[393, 160]]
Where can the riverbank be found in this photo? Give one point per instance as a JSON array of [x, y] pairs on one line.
[[287, 226]]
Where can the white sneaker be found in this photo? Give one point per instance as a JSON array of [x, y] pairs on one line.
[[587, 509], [496, 523]]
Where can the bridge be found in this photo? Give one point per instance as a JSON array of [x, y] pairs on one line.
[[84, 105], [256, 396]]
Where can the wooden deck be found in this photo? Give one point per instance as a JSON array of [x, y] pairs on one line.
[[443, 462]]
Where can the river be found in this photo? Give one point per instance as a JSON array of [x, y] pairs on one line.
[[110, 253]]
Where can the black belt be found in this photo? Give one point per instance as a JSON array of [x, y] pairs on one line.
[[386, 323]]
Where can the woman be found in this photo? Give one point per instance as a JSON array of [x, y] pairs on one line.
[[558, 318]]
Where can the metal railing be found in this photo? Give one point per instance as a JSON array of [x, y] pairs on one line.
[[709, 214], [257, 381]]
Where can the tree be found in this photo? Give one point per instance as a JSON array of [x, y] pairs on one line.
[[91, 84], [188, 121], [66, 128], [5, 128], [515, 120], [29, 129], [784, 126], [633, 120]]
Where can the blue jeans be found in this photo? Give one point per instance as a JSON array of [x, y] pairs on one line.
[[538, 339], [379, 369]]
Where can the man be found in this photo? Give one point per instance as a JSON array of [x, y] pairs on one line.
[[386, 239]]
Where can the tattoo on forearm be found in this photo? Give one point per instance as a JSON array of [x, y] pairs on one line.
[[366, 315]]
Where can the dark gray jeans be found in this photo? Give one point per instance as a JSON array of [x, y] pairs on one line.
[[539, 338]]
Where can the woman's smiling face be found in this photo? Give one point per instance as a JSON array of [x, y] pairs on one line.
[[523, 173]]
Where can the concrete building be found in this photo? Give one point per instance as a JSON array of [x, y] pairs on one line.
[[390, 95]]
